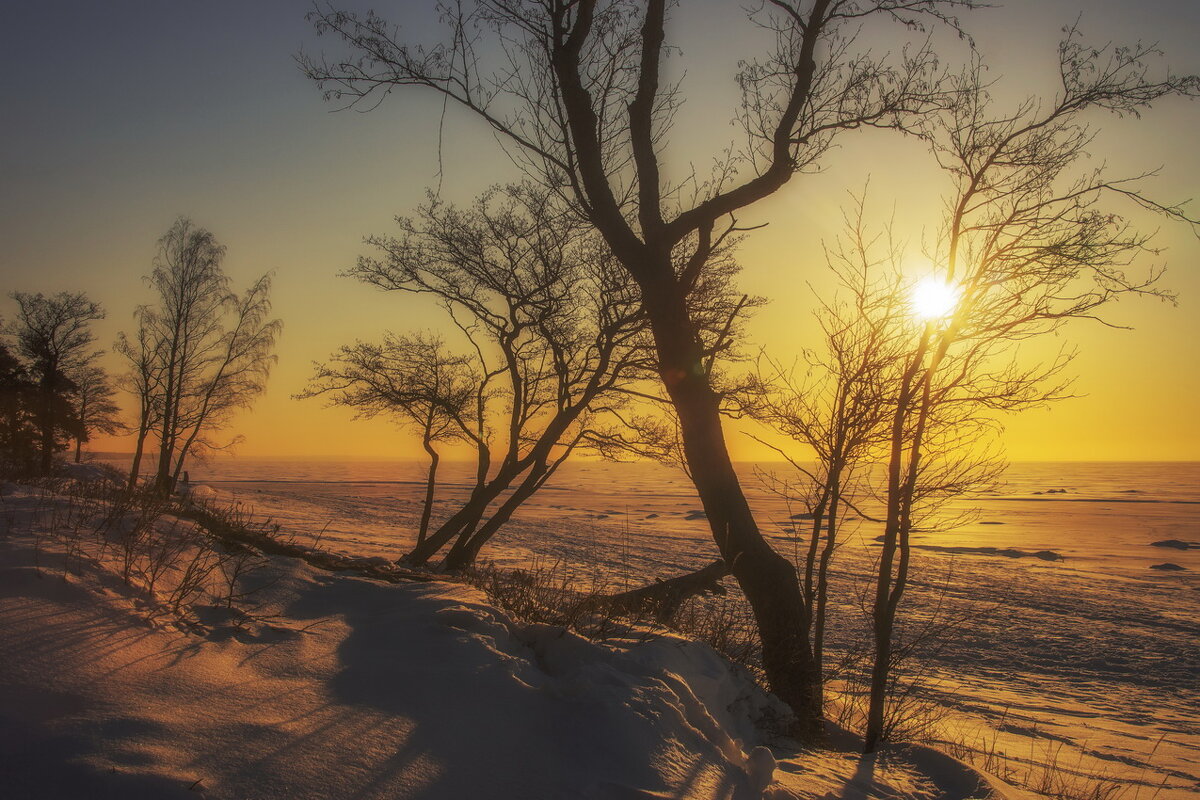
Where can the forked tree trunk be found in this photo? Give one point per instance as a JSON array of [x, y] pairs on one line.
[[466, 549], [465, 519], [461, 526]]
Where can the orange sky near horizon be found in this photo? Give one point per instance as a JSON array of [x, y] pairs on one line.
[[100, 162]]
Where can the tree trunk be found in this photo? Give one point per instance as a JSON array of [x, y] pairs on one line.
[[172, 386], [162, 473], [665, 597], [78, 449], [880, 670], [768, 580], [179, 460], [136, 466], [882, 620], [46, 421], [430, 485], [166, 443], [162, 469], [464, 519], [465, 550], [822, 600]]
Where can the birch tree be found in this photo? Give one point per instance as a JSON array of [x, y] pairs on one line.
[[1034, 238], [199, 354]]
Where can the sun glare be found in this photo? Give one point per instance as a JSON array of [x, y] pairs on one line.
[[934, 299]]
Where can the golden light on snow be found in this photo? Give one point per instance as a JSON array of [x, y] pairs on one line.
[[933, 298]]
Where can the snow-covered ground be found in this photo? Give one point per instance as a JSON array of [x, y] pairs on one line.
[[329, 685], [1091, 661]]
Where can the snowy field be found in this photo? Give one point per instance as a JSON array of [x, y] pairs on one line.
[[1080, 637], [326, 685]]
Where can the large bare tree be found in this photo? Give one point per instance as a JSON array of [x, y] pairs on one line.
[[579, 91]]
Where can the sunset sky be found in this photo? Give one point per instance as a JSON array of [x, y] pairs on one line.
[[120, 116]]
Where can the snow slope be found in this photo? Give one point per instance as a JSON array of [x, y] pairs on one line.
[[1090, 663], [343, 687]]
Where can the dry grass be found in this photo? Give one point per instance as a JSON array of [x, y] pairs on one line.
[[550, 593], [171, 563]]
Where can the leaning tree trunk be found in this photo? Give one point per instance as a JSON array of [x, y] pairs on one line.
[[136, 466], [466, 549], [465, 519], [768, 580], [430, 487], [664, 597]]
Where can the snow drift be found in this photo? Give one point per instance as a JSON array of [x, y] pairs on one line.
[[337, 686]]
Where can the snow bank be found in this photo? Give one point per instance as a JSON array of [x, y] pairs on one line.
[[339, 686], [336, 686], [88, 471]]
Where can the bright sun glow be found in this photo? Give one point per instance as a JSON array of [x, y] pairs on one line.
[[934, 299]]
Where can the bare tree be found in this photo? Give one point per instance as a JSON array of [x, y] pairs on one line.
[[579, 93], [200, 354], [193, 294], [54, 335], [95, 407], [1029, 244], [143, 381], [233, 376], [838, 409], [554, 334], [414, 378]]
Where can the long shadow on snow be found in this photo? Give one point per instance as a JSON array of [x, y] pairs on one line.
[[486, 719]]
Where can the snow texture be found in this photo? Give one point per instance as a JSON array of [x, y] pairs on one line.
[[337, 686]]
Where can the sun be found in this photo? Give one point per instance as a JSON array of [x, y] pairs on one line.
[[934, 299]]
